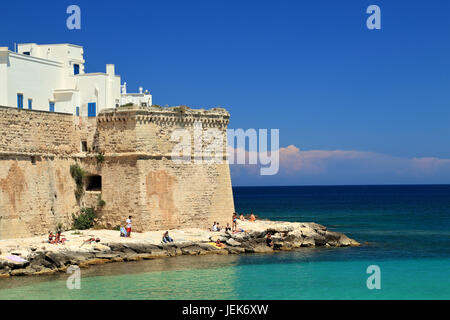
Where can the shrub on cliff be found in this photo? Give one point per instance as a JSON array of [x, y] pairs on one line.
[[100, 202], [78, 174], [182, 109], [100, 158], [126, 105], [85, 220]]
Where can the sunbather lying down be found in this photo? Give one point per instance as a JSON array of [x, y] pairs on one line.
[[90, 240]]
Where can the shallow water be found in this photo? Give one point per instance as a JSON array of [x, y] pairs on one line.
[[407, 228]]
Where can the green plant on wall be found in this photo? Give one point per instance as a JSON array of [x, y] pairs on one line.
[[100, 158], [85, 220], [100, 202], [182, 109], [78, 174], [126, 105]]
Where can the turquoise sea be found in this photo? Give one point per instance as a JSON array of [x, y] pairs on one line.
[[406, 231]]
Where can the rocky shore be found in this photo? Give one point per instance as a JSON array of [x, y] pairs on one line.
[[31, 256]]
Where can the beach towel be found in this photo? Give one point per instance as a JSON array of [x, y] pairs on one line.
[[214, 245], [123, 232], [16, 259]]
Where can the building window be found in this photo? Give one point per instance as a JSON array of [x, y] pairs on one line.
[[77, 111], [76, 69], [27, 53], [84, 146], [33, 160], [52, 106], [20, 101], [92, 109], [94, 183], [30, 104]]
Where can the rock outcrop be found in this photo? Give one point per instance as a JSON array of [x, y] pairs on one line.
[[285, 235]]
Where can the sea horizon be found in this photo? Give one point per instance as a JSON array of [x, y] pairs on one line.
[[348, 185]]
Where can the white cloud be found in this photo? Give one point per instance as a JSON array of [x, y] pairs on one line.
[[348, 164]]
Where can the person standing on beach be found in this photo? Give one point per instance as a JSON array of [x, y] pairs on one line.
[[234, 224], [129, 226]]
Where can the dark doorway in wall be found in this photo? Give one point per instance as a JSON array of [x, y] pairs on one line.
[[94, 183], [84, 146]]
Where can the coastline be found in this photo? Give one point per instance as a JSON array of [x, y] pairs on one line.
[[45, 258]]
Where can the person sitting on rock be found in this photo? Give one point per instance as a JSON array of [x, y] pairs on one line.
[[166, 238], [241, 217], [252, 217], [269, 240], [216, 227], [59, 238], [50, 237], [228, 228], [220, 244]]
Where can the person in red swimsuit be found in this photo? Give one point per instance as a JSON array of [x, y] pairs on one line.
[[129, 226]]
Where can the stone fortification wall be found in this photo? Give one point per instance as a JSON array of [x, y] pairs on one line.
[[139, 176], [36, 189], [138, 146]]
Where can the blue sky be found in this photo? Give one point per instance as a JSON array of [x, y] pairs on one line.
[[309, 68]]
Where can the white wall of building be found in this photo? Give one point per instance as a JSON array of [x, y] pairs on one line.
[[35, 78], [4, 76], [45, 73], [143, 98], [67, 54]]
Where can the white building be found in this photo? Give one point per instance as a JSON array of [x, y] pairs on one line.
[[143, 98], [52, 78]]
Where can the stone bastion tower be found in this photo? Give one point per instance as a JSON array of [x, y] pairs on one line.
[[166, 167]]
